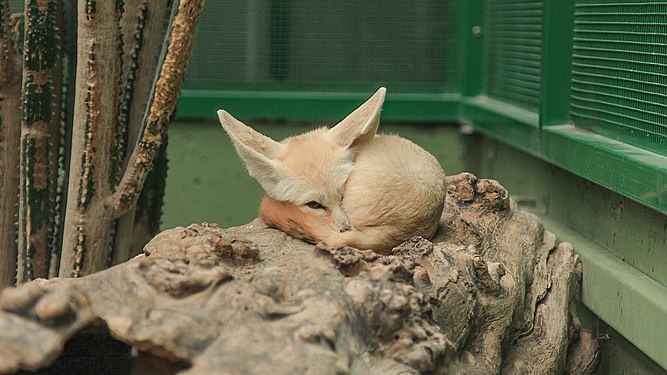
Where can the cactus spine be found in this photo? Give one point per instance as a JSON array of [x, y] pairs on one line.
[[81, 108]]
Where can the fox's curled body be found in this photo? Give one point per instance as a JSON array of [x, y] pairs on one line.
[[345, 185]]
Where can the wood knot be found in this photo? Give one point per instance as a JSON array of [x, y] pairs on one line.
[[348, 260], [494, 194], [235, 251], [415, 248]]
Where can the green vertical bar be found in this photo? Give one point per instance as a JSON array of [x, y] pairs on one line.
[[279, 48], [471, 14], [558, 26]]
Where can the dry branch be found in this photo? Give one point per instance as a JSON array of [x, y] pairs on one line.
[[164, 98], [491, 294], [143, 29]]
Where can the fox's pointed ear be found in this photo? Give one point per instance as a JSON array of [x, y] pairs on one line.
[[361, 125], [257, 151]]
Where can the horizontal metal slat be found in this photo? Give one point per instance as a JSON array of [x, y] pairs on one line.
[[622, 71], [661, 96], [615, 4], [605, 41], [592, 94], [620, 61], [620, 33], [619, 115], [623, 125]]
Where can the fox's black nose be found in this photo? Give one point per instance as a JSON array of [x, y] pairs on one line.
[[345, 228]]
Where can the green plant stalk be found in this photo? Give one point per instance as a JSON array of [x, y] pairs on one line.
[[10, 128], [178, 47], [68, 29], [150, 202], [143, 26], [39, 123]]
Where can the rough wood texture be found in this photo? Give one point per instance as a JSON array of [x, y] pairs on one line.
[[10, 130], [492, 294]]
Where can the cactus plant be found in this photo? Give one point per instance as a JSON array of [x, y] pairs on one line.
[[89, 125], [10, 120], [40, 137]]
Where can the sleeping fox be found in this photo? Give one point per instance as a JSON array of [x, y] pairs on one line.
[[345, 186]]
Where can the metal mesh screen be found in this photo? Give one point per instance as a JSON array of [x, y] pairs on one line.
[[619, 85], [325, 45], [15, 6], [514, 51]]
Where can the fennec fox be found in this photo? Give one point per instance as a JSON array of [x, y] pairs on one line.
[[344, 185]]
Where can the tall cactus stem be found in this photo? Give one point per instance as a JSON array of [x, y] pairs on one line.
[[178, 48], [89, 228], [10, 128], [40, 121]]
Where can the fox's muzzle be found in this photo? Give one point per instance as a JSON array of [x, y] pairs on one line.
[[340, 220]]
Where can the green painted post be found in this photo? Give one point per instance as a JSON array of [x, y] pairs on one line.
[[556, 62], [472, 34]]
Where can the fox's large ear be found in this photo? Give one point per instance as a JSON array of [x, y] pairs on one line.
[[361, 125], [257, 151]]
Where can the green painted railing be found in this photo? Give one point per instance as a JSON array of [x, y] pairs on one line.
[[579, 83]]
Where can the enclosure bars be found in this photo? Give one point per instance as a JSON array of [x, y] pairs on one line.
[[611, 288], [638, 174]]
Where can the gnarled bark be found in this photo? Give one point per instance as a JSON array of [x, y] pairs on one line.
[[491, 294]]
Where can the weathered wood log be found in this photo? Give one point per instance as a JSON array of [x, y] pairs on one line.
[[491, 294]]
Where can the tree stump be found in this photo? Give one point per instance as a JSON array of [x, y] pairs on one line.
[[491, 294]]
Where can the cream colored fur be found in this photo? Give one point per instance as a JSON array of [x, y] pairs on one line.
[[377, 190]]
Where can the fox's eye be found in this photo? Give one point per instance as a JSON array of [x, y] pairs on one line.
[[315, 205]]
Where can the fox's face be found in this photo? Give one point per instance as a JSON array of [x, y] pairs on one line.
[[314, 170], [305, 175]]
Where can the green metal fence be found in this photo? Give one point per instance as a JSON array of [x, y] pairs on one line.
[[513, 52], [619, 85], [586, 76], [314, 59]]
